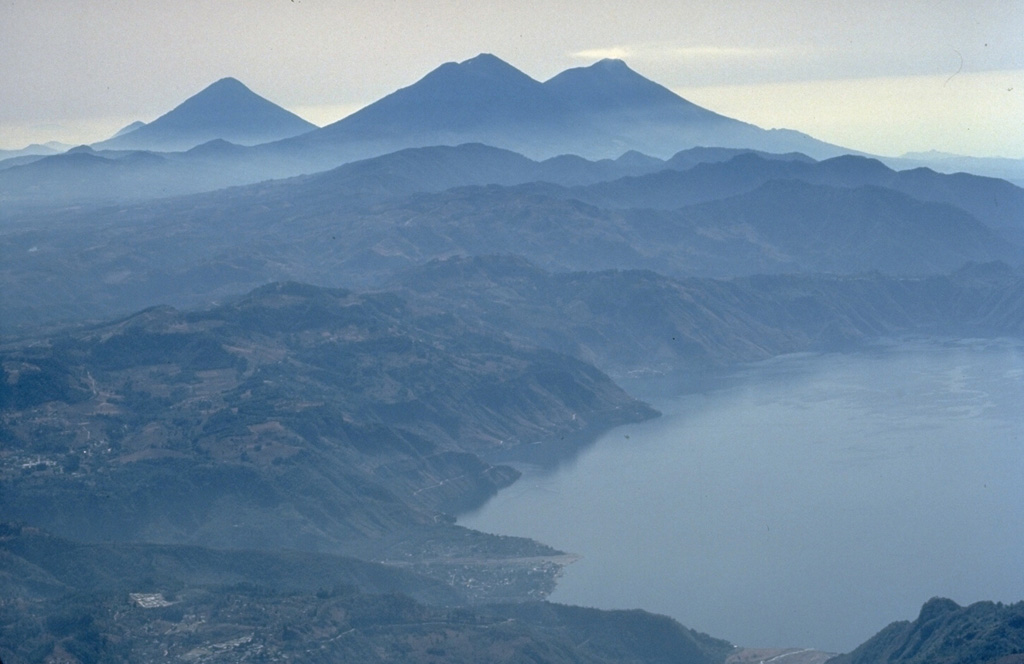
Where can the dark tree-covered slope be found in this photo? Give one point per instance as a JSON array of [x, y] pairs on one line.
[[946, 633]]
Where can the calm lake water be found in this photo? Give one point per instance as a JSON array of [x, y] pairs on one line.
[[808, 502]]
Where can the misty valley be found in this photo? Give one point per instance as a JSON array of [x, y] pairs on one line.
[[505, 370]]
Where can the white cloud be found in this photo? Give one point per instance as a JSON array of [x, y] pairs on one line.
[[613, 52], [669, 52]]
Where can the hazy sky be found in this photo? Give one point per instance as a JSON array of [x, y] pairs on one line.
[[884, 76]]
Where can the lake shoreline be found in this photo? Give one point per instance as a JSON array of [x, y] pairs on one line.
[[833, 393]]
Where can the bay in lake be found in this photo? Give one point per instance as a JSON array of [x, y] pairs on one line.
[[809, 501]]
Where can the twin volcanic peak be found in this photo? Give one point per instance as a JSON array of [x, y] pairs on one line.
[[226, 110], [600, 111]]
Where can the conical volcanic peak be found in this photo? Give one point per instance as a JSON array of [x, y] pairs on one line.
[[228, 83], [610, 84], [480, 82], [226, 110], [480, 92], [487, 64]]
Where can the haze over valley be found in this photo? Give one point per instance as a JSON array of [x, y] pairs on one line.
[[500, 369]]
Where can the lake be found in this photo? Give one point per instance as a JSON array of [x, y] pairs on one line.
[[806, 501]]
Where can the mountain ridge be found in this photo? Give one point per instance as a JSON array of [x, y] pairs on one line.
[[946, 633], [358, 224], [601, 111]]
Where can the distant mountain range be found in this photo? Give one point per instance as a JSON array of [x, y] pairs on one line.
[[227, 135], [736, 214], [225, 110], [599, 111], [34, 150], [996, 167]]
